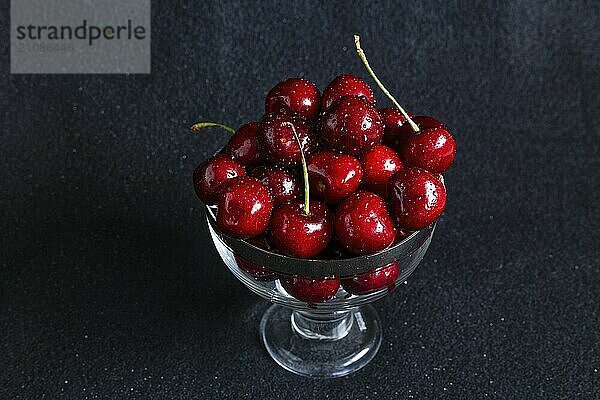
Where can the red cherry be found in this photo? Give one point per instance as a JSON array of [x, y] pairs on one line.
[[301, 229], [346, 85], [282, 183], [243, 145], [417, 198], [255, 270], [374, 280], [432, 149], [333, 176], [294, 96], [245, 207], [363, 224], [398, 136], [212, 174], [393, 120], [352, 125], [277, 138], [301, 235], [427, 122], [310, 290], [378, 165]]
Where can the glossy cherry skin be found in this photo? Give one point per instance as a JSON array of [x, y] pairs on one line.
[[333, 176], [363, 225], [283, 185], [212, 174], [346, 85], [427, 122], [311, 290], [372, 281], [396, 137], [431, 149], [277, 139], [351, 125], [378, 165], [393, 120], [294, 96], [417, 198], [297, 234], [243, 146], [245, 207], [255, 270]]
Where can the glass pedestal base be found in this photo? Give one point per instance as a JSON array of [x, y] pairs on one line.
[[321, 345]]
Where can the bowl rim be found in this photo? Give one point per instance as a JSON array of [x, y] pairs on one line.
[[287, 265]]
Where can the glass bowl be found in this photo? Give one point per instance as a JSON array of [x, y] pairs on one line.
[[320, 339]]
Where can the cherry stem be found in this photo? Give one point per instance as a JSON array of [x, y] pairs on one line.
[[201, 125], [363, 58], [304, 169]]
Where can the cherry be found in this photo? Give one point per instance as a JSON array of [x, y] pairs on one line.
[[346, 85], [351, 125], [392, 118], [372, 281], [245, 207], [277, 138], [432, 149], [282, 183], [255, 270], [212, 174], [243, 145], [427, 122], [298, 234], [333, 176], [417, 198], [393, 122], [294, 96], [363, 224], [378, 165], [311, 290], [301, 229], [397, 138]]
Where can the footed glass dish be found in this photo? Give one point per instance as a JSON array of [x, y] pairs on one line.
[[322, 339]]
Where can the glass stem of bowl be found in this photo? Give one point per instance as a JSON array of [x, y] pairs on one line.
[[322, 326]]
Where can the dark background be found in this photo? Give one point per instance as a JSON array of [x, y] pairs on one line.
[[110, 287]]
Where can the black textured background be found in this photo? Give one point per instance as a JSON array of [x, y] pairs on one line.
[[110, 288]]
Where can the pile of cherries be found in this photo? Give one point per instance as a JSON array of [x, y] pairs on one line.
[[327, 176]]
